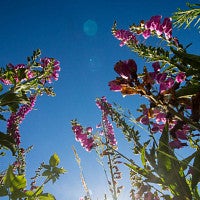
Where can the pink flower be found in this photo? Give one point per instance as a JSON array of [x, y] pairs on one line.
[[153, 23], [5, 81], [52, 66], [146, 34], [160, 78], [176, 144], [156, 66], [89, 129], [144, 120], [126, 69], [17, 118], [180, 77], [82, 136], [124, 36], [161, 117], [115, 85], [167, 28], [108, 129], [166, 85]]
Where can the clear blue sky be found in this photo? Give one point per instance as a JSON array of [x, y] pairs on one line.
[[87, 60]]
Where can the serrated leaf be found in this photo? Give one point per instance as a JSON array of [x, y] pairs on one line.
[[54, 160], [196, 170]]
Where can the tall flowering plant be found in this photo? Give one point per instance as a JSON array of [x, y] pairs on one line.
[[104, 143], [171, 117], [19, 86]]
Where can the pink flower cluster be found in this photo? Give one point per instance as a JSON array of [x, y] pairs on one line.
[[83, 136], [16, 75], [125, 36], [17, 118], [163, 80], [52, 66], [157, 119], [108, 129], [154, 25]]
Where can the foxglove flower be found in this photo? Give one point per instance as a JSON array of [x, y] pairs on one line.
[[180, 77], [124, 36], [126, 69]]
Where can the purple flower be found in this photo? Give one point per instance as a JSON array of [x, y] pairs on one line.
[[82, 136], [177, 144], [160, 78], [153, 23], [115, 85], [166, 85], [156, 66], [146, 34], [144, 120], [161, 117], [126, 69], [51, 66], [108, 130], [17, 118], [124, 36], [180, 77], [167, 28]]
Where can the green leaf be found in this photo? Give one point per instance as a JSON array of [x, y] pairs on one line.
[[17, 194], [185, 162], [3, 191], [59, 170], [46, 166], [170, 169], [15, 182], [152, 157], [29, 193], [1, 87], [188, 90], [19, 182], [145, 173], [46, 196], [39, 191], [46, 173], [143, 158], [7, 141], [8, 177], [196, 170], [54, 160]]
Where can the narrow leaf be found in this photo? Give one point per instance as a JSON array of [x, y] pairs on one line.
[[196, 170]]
